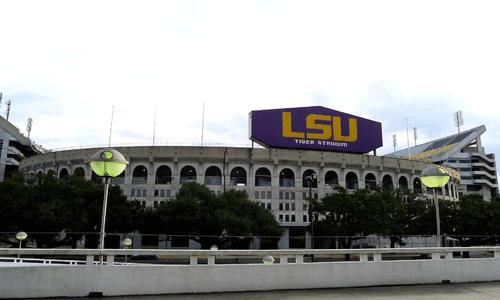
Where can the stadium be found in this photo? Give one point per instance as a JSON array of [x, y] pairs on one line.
[[303, 153]]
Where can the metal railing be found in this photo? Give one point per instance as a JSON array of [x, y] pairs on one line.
[[210, 257]]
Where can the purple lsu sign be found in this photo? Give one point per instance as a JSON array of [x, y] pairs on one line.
[[314, 128]]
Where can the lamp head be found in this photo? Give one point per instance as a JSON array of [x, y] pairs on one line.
[[21, 236], [435, 176], [108, 163]]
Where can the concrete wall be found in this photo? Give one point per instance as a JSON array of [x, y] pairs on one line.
[[34, 281]]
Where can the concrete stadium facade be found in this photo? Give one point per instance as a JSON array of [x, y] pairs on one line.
[[275, 178]]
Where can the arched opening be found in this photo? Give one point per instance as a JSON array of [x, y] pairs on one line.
[[331, 179], [140, 175], [51, 172], [417, 185], [188, 174], [63, 174], [238, 176], [79, 172], [309, 178], [163, 175], [351, 180], [370, 182], [387, 182], [213, 176], [403, 184], [287, 178], [263, 177]]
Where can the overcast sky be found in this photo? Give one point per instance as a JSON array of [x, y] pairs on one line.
[[67, 63]]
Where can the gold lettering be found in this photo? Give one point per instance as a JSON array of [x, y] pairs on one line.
[[337, 130], [287, 126], [326, 129]]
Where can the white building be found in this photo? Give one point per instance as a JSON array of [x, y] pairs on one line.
[[465, 153], [14, 146], [275, 178]]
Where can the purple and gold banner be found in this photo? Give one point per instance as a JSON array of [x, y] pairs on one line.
[[314, 128]]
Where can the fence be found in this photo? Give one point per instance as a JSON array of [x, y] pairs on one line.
[[90, 240]]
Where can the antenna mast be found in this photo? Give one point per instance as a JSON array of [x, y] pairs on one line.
[[28, 126], [111, 125], [154, 127], [7, 113], [415, 135], [408, 139], [459, 119], [394, 142], [202, 123]]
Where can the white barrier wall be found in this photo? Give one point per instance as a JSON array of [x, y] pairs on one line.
[[18, 280]]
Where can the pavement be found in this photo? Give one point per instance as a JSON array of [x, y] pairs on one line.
[[468, 291]]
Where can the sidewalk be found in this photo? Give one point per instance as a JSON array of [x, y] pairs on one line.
[[470, 291]]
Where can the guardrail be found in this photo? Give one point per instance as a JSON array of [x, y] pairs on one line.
[[298, 256]]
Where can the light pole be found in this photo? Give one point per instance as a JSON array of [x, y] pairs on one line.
[[310, 180], [127, 242], [21, 236], [107, 163], [434, 177]]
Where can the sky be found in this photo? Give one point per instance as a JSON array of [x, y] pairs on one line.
[[161, 67]]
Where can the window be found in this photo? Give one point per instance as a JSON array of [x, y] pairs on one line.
[[138, 193], [144, 192], [304, 207], [188, 174], [155, 204], [143, 203], [238, 177], [280, 218], [168, 193], [287, 195], [162, 193], [262, 177], [257, 194], [287, 218], [269, 195], [293, 206], [281, 195], [281, 206], [268, 205], [293, 218], [157, 192], [287, 206], [163, 175], [263, 194], [263, 205], [132, 193], [309, 179], [304, 218], [213, 176], [287, 178], [140, 175], [293, 195]]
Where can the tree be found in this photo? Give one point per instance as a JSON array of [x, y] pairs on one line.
[[361, 213], [53, 206], [228, 221]]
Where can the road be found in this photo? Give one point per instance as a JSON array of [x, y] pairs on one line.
[[470, 291]]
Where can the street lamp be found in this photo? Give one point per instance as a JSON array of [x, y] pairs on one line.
[[310, 180], [127, 242], [21, 236], [107, 163], [434, 177]]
